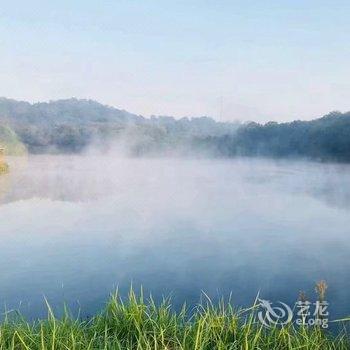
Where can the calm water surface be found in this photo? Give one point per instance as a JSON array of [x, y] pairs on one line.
[[74, 228]]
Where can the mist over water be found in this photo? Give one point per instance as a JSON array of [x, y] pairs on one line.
[[75, 227]]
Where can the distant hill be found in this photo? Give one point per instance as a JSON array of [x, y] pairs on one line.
[[71, 111], [72, 126], [84, 112]]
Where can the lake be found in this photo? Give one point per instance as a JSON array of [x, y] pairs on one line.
[[73, 228]]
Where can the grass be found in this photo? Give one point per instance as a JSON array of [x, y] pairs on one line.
[[141, 324]]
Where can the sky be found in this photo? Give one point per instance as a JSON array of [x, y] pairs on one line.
[[231, 60]]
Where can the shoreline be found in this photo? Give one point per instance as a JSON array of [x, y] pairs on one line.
[[140, 323]]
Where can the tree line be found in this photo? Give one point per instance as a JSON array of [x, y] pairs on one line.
[[72, 126]]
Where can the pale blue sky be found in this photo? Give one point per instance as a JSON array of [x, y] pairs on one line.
[[259, 60]]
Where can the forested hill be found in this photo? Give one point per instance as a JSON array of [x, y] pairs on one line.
[[10, 142], [72, 126], [326, 138], [71, 111]]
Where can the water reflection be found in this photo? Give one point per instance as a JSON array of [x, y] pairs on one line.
[[73, 228]]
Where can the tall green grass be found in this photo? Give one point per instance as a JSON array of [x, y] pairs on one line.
[[141, 324]]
